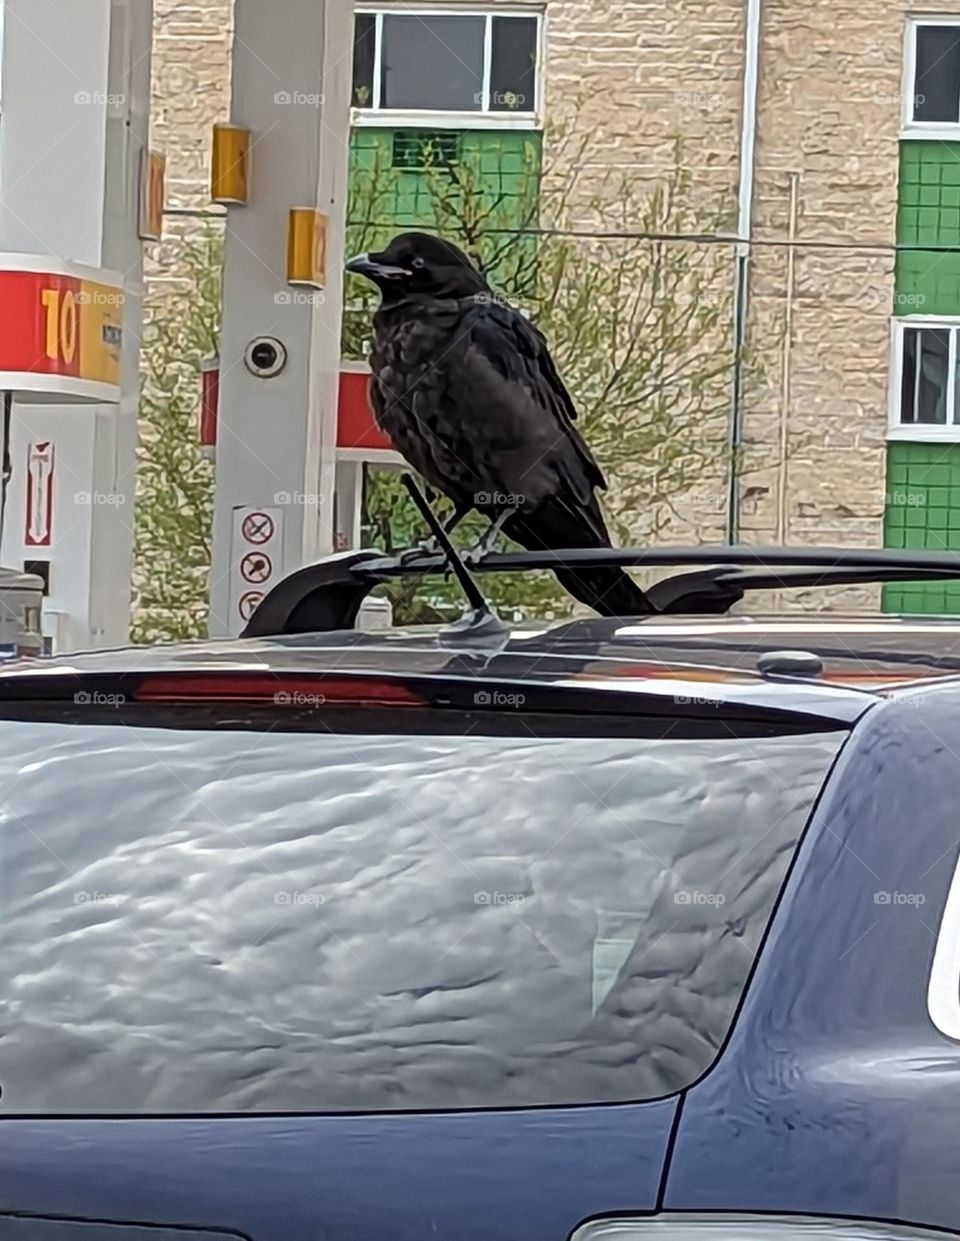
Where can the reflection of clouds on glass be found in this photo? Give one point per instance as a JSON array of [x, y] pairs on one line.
[[335, 921]]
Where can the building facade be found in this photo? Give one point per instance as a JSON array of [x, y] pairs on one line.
[[849, 431]]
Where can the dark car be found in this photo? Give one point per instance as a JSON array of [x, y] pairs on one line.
[[606, 928]]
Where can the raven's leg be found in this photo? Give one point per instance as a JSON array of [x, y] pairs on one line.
[[430, 547], [484, 545]]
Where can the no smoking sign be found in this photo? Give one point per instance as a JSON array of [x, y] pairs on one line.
[[256, 560]]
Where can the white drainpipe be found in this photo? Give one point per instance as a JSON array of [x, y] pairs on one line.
[[748, 135]]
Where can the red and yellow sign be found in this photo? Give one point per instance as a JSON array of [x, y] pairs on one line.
[[60, 327]]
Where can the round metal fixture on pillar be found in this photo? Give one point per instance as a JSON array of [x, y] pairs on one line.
[[265, 357]]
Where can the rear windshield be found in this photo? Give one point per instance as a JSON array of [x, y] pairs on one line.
[[202, 921]]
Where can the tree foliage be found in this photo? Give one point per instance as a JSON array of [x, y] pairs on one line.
[[174, 481]]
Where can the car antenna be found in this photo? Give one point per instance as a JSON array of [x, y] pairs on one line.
[[479, 620]]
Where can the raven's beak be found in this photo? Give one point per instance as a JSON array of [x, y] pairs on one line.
[[369, 266]]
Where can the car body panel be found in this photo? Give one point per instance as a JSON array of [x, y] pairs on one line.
[[836, 1093], [480, 1176]]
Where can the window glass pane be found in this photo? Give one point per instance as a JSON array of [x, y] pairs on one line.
[[364, 50], [931, 384], [382, 920], [937, 85], [513, 78], [908, 377], [433, 62]]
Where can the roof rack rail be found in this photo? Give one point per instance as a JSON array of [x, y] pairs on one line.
[[328, 595]]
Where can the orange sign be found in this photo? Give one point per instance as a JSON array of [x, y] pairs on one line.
[[153, 176], [54, 325]]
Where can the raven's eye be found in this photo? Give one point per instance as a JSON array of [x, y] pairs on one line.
[[418, 263]]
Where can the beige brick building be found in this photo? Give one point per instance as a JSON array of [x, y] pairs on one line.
[[834, 137]]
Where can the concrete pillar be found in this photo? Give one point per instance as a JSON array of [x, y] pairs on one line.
[[276, 439], [76, 106]]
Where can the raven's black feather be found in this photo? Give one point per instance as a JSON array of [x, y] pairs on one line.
[[465, 387]]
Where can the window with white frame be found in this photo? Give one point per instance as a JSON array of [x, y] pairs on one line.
[[926, 393], [468, 62], [932, 86]]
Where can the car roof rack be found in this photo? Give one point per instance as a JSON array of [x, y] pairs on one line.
[[328, 595]]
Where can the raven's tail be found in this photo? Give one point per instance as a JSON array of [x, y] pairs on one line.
[[607, 590]]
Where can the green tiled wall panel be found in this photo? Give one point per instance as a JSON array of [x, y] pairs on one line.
[[928, 282], [507, 163], [923, 512]]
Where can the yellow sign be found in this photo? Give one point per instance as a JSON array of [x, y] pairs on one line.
[[307, 247], [230, 166], [153, 176], [101, 332]]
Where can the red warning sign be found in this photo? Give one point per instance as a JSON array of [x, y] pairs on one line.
[[256, 567], [39, 522], [258, 528], [249, 603], [256, 559]]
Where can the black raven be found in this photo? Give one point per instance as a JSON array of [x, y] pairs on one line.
[[465, 387]]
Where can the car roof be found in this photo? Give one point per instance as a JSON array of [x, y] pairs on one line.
[[715, 658]]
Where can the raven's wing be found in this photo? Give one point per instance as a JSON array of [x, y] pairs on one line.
[[515, 407]]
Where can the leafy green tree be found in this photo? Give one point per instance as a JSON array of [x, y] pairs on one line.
[[174, 481]]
